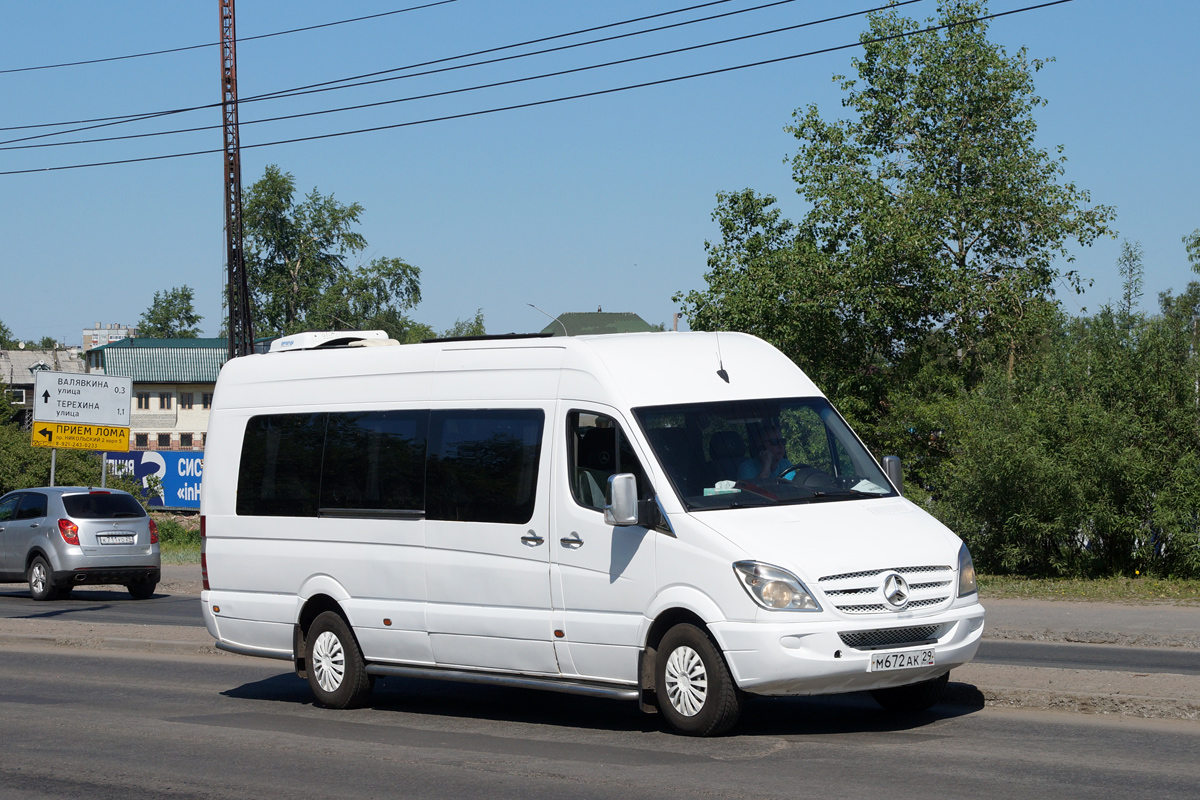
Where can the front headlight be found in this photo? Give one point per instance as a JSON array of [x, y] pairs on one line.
[[966, 573], [774, 588]]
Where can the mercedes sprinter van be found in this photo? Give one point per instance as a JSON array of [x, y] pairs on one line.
[[677, 519]]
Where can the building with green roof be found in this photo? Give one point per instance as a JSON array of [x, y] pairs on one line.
[[587, 323], [173, 382]]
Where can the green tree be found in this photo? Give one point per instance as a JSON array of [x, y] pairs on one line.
[[170, 316], [7, 341], [297, 262], [934, 222]]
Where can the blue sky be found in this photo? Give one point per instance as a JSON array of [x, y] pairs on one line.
[[599, 202]]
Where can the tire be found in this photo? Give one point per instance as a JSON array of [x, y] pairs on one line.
[[696, 693], [41, 580], [912, 698], [337, 673], [143, 590]]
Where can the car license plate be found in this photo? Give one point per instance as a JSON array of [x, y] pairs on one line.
[[117, 538], [883, 662]]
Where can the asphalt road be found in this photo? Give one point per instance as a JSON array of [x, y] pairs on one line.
[[103, 605], [99, 725]]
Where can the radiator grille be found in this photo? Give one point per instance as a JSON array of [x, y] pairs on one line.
[[929, 587]]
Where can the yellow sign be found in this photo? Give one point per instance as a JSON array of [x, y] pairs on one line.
[[80, 437]]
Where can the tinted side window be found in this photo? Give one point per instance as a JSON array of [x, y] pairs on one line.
[[8, 507], [102, 506], [33, 506], [280, 472], [483, 465], [374, 461]]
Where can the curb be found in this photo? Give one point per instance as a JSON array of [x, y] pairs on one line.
[[118, 643]]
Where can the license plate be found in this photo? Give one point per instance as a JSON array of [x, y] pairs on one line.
[[117, 538], [883, 662]]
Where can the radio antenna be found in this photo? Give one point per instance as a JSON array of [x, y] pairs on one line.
[[721, 373]]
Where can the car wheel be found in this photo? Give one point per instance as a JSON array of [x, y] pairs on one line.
[[696, 693], [337, 673], [143, 590], [912, 698], [41, 580]]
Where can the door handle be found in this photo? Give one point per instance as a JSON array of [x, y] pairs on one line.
[[531, 539], [573, 541], [33, 525]]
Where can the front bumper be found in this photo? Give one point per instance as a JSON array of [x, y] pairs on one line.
[[811, 658]]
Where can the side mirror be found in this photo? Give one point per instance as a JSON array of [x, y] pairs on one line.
[[895, 473], [622, 506]]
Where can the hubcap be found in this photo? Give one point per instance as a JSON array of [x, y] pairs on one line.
[[687, 681], [39, 578], [328, 661]]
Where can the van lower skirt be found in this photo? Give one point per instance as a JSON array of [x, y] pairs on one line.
[[613, 691]]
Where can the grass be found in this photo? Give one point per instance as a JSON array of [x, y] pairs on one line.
[[1139, 589], [173, 553]]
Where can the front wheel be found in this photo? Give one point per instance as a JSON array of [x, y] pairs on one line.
[[912, 698], [695, 691], [337, 673], [41, 586]]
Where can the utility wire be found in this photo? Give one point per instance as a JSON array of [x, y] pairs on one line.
[[535, 103], [151, 114], [478, 87], [216, 44], [303, 90]]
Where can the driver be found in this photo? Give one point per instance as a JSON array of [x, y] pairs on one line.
[[768, 459]]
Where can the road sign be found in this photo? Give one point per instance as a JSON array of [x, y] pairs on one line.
[[80, 437], [81, 398]]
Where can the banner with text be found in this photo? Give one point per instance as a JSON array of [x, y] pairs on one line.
[[178, 471]]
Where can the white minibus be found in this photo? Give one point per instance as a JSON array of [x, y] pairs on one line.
[[677, 519]]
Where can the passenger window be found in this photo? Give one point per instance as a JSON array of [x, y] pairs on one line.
[[280, 471], [374, 461], [33, 506], [8, 506], [483, 465], [597, 450]]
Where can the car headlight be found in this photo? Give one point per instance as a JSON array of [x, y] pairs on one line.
[[966, 573], [774, 588]]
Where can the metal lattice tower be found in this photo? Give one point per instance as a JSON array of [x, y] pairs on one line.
[[241, 326]]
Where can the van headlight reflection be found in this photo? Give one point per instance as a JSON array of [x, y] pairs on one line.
[[774, 588]]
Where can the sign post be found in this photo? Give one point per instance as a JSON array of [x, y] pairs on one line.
[[80, 411]]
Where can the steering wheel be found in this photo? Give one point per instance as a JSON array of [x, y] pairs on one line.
[[792, 470]]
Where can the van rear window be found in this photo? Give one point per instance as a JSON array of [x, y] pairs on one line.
[[102, 506]]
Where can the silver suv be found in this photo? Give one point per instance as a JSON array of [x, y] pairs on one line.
[[60, 537]]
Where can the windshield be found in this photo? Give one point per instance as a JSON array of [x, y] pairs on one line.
[[760, 453]]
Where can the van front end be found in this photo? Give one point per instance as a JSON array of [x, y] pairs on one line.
[[833, 656]]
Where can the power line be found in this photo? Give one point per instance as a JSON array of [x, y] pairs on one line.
[[216, 44], [536, 103], [496, 84], [150, 114]]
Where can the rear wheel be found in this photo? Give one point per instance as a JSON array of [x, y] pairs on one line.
[[696, 693], [912, 698], [337, 673], [143, 590], [41, 581]]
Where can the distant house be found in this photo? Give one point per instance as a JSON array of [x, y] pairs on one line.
[[18, 369], [173, 382], [586, 323]]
